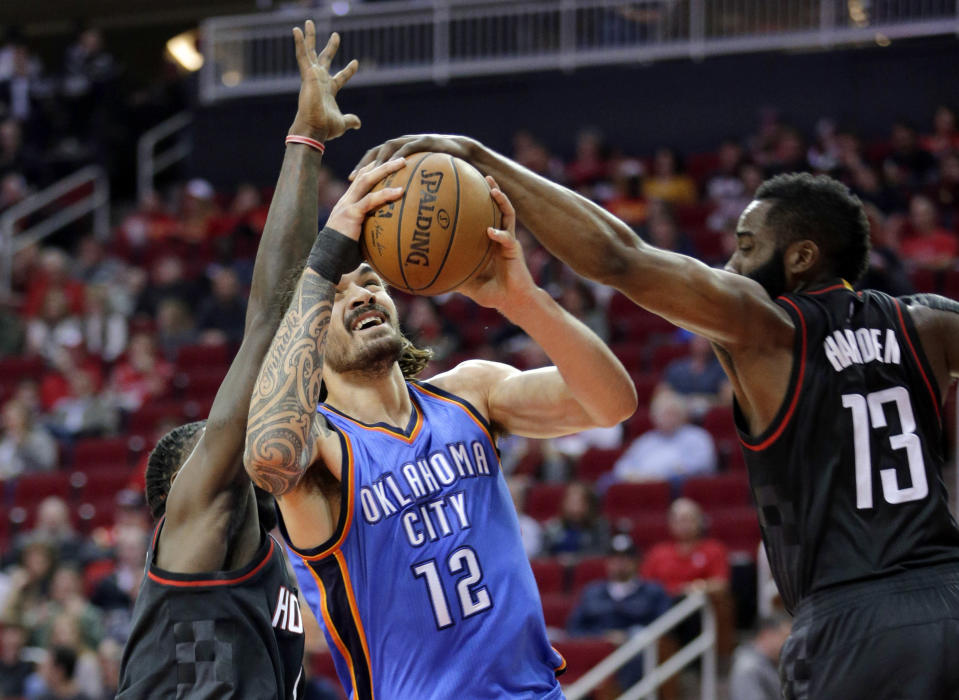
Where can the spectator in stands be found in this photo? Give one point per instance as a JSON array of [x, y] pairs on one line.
[[866, 184], [572, 447], [222, 315], [529, 530], [147, 226], [627, 202], [578, 299], [67, 602], [104, 328], [945, 192], [927, 244], [55, 382], [690, 561], [663, 232], [11, 330], [944, 139], [22, 92], [57, 672], [95, 266], [530, 152], [54, 529], [89, 73], [824, 154], [698, 378], [142, 376], [886, 271], [175, 327], [754, 674], [431, 329], [167, 280], [54, 328], [13, 189], [789, 154], [66, 632], [579, 529], [109, 654], [29, 582], [84, 412], [54, 273], [907, 161], [668, 182], [724, 189], [590, 167], [25, 446], [118, 590], [14, 666], [621, 606], [673, 450], [197, 213]]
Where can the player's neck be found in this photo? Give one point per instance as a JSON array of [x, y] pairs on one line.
[[377, 399]]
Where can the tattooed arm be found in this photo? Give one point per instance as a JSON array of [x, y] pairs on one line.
[[283, 437], [208, 489]]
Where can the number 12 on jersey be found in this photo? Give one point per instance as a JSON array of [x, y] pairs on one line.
[[869, 408], [472, 599]]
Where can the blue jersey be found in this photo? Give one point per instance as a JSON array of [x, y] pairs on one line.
[[424, 590]]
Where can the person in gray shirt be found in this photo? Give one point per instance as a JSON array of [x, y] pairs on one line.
[[754, 674]]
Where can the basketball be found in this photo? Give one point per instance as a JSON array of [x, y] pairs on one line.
[[434, 237]]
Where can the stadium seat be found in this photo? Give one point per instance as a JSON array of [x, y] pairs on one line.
[[629, 501], [200, 356], [719, 422], [588, 570], [665, 354], [322, 666], [638, 423], [549, 575], [96, 452], [30, 489], [595, 462], [631, 354], [737, 528], [925, 280], [645, 383], [556, 608], [103, 483], [719, 491], [582, 654], [201, 382], [145, 420], [543, 500], [650, 529]]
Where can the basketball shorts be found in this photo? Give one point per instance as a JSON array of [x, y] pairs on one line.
[[895, 638]]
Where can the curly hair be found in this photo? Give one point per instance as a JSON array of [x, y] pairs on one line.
[[413, 360], [821, 209], [167, 457]]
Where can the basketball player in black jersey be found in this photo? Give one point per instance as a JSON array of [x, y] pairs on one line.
[[838, 400], [217, 615]]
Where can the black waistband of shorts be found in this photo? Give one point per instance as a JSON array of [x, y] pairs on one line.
[[864, 593]]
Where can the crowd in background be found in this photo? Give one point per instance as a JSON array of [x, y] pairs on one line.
[[106, 327]]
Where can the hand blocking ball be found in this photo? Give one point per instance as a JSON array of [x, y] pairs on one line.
[[434, 237]]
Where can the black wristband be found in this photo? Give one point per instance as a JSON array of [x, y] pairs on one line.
[[333, 255]]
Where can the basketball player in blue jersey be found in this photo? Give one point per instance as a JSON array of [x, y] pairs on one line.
[[839, 400], [404, 538]]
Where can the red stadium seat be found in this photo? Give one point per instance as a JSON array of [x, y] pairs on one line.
[[581, 655], [595, 462], [719, 422], [549, 575], [30, 489], [98, 452], [145, 420], [720, 491], [925, 280], [95, 572], [199, 356], [665, 354], [639, 423], [631, 354], [556, 608], [645, 383], [543, 500], [629, 501], [201, 382], [737, 528], [650, 529], [588, 570], [104, 483]]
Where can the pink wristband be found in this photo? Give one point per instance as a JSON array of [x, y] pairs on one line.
[[306, 141]]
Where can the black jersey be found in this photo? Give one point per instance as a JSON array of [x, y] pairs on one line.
[[847, 478], [235, 634]]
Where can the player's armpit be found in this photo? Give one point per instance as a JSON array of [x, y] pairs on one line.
[[937, 321]]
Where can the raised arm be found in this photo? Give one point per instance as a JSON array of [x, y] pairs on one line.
[[586, 387], [283, 437], [727, 308], [214, 471], [937, 322]]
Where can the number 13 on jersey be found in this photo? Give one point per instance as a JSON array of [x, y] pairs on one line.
[[869, 409], [473, 598]]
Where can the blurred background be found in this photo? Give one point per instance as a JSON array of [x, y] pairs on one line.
[[139, 142]]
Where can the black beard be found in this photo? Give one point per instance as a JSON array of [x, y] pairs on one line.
[[771, 274]]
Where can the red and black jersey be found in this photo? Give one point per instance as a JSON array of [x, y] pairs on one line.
[[847, 478], [228, 634]]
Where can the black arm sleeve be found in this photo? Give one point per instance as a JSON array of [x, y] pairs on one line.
[[932, 301]]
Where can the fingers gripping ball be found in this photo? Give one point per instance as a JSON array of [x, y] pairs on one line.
[[435, 236]]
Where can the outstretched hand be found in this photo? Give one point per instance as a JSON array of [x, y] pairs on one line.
[[359, 199], [459, 146], [505, 279], [318, 116]]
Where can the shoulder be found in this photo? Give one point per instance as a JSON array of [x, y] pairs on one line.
[[472, 381], [713, 547]]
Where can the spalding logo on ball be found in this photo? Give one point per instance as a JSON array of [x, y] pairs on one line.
[[434, 237]]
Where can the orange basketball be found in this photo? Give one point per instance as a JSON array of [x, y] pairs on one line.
[[434, 237]]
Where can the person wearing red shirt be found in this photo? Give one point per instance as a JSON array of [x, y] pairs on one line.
[[929, 245]]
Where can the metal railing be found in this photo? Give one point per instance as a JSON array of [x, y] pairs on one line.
[[655, 674], [95, 200], [417, 40], [149, 162]]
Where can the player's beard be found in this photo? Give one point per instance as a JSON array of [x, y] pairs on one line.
[[371, 358], [771, 274]]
